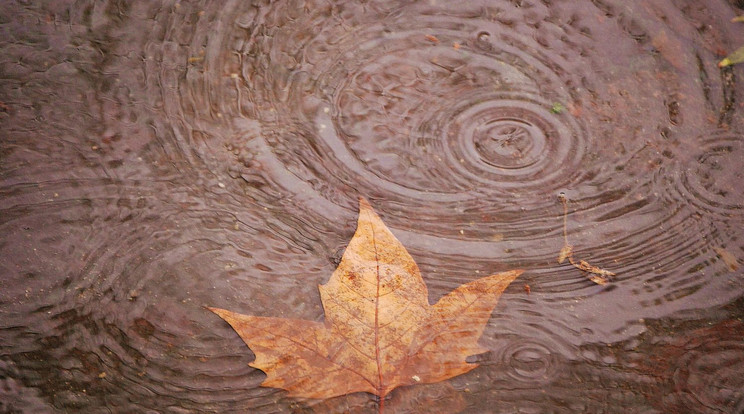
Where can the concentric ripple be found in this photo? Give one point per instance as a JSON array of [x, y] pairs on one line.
[[700, 371], [448, 111], [514, 145], [530, 362], [710, 180], [709, 377], [438, 106]]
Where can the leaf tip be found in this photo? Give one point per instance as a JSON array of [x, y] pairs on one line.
[[364, 204], [508, 276], [217, 311]]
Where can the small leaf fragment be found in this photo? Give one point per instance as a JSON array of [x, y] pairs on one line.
[[557, 108], [738, 19], [735, 57], [566, 252], [432, 38], [598, 280], [596, 274], [585, 266]]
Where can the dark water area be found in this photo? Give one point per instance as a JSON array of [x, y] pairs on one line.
[[159, 157]]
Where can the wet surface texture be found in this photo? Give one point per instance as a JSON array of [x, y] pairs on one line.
[[158, 157]]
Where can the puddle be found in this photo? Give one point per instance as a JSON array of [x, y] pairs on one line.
[[158, 158]]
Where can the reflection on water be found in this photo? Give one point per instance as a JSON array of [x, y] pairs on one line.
[[157, 157]]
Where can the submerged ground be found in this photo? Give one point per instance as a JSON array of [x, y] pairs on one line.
[[159, 157]]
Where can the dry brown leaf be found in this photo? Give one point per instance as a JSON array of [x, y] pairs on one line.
[[598, 279], [379, 332], [585, 266], [597, 275]]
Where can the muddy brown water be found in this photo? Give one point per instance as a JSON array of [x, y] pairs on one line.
[[158, 157]]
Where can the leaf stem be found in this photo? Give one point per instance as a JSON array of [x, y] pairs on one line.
[[564, 200], [596, 274]]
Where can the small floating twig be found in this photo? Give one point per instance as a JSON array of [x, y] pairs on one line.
[[597, 275]]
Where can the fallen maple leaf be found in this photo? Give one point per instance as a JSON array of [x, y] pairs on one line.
[[379, 332]]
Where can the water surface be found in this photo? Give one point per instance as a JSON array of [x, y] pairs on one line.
[[158, 157]]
